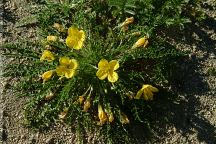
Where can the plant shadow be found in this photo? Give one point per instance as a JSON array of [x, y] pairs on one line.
[[178, 110], [171, 113]]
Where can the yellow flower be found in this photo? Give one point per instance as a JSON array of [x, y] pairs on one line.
[[64, 113], [87, 105], [147, 92], [107, 69], [47, 75], [52, 38], [124, 119], [59, 27], [67, 67], [142, 42], [75, 38], [47, 55], [81, 99], [101, 115]]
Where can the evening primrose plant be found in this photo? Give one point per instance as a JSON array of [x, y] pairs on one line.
[[98, 65]]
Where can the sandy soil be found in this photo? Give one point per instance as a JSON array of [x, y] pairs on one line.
[[192, 120]]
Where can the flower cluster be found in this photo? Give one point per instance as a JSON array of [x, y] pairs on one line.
[[67, 67]]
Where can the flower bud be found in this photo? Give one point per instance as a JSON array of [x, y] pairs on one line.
[[52, 38], [59, 27], [86, 106], [47, 75], [81, 99], [142, 42]]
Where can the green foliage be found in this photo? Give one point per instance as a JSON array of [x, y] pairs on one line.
[[211, 71], [105, 39]]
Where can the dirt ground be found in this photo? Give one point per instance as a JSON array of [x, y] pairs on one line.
[[192, 120]]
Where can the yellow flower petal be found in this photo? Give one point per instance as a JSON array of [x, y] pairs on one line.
[[73, 64], [148, 95], [64, 61], [114, 64], [47, 55], [60, 70], [101, 74], [145, 95], [71, 42], [153, 89], [139, 94], [78, 45], [103, 64], [69, 73], [112, 77], [47, 75], [82, 33], [72, 31]]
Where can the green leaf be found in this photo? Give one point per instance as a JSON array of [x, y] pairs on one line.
[[118, 3], [130, 12], [26, 21]]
